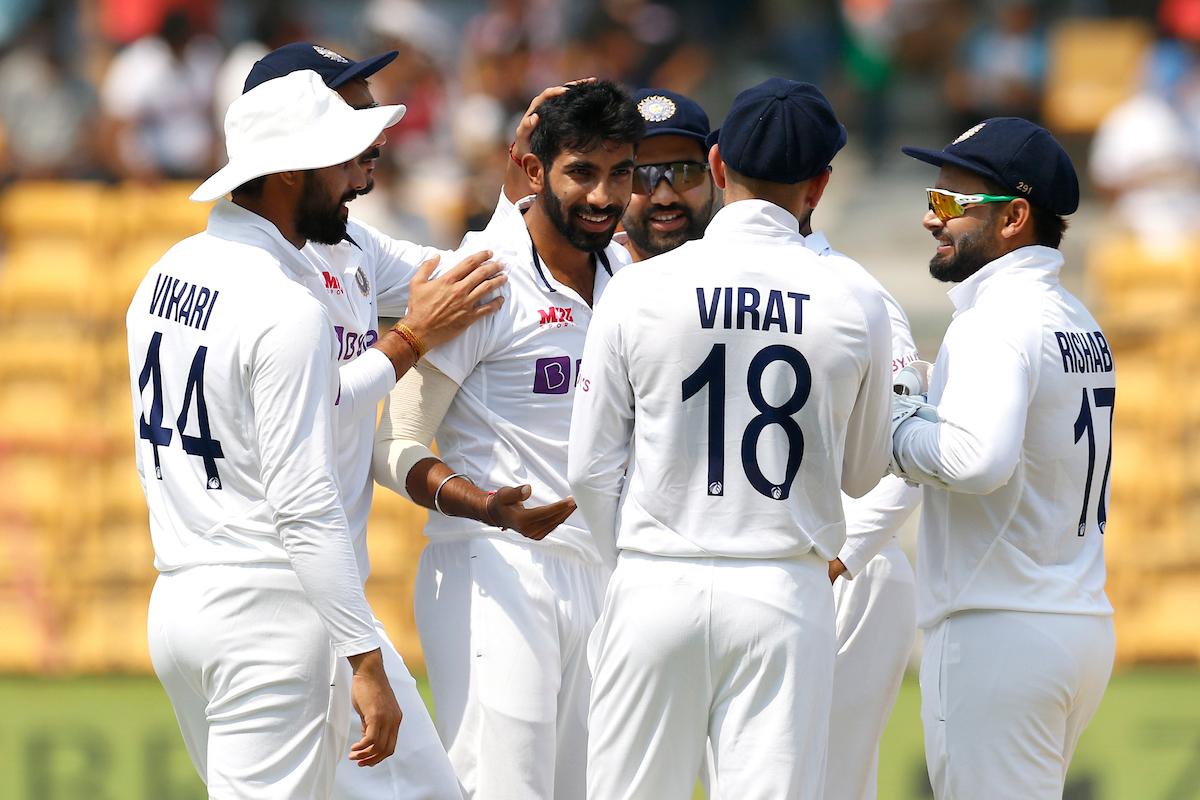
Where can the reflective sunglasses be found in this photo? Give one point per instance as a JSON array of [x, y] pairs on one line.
[[682, 175], [947, 204]]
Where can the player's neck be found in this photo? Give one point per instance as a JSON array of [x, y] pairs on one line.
[[283, 220], [567, 263]]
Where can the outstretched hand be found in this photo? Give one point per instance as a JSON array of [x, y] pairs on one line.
[[506, 509]]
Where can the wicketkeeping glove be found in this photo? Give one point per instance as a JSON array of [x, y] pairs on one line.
[[905, 406]]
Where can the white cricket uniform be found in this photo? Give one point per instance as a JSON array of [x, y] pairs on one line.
[[1018, 631], [504, 620], [259, 594], [876, 598], [744, 381], [358, 281]]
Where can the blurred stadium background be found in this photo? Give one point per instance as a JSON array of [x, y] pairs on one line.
[[110, 111]]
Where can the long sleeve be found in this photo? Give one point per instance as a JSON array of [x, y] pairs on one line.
[[977, 445], [866, 452], [363, 383], [601, 429], [291, 390], [873, 519]]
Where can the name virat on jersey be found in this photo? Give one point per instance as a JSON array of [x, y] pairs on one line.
[[743, 308]]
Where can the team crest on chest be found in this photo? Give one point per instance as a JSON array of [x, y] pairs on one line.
[[360, 279], [656, 108]]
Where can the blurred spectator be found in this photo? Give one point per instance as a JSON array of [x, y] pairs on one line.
[[1145, 157], [157, 99], [1001, 66], [274, 26], [44, 109]]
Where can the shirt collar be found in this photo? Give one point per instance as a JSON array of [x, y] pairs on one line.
[[1033, 262], [817, 242], [756, 217]]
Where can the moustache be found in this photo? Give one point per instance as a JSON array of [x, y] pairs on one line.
[[596, 211]]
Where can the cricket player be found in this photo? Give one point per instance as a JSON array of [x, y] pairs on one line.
[[1018, 631], [507, 594], [359, 275], [673, 192], [259, 596], [875, 602], [749, 379]]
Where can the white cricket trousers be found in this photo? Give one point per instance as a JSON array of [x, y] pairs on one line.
[[1005, 696], [739, 651], [249, 670], [876, 626], [504, 627], [419, 769]]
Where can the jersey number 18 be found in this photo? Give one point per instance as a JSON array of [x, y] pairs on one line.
[[711, 373]]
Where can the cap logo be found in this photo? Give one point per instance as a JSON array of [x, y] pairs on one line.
[[332, 56], [969, 133], [656, 108]]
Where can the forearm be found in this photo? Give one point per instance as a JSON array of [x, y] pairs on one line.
[[434, 485], [874, 519]]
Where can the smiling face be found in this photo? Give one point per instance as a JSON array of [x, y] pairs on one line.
[[967, 243], [586, 191], [357, 94], [667, 217]]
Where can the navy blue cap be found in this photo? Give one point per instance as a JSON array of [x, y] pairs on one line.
[[334, 68], [670, 113], [780, 131], [1022, 157]]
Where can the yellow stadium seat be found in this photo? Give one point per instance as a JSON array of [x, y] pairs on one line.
[[25, 647], [1094, 64], [160, 209], [50, 278], [54, 207], [131, 263], [107, 631], [1134, 280]]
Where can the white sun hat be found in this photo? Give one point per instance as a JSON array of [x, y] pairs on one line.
[[295, 122]]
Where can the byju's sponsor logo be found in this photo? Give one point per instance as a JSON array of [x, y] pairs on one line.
[[352, 344], [555, 317], [552, 375]]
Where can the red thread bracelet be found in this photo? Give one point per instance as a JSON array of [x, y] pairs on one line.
[[513, 155]]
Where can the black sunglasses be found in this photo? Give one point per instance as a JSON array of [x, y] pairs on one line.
[[681, 175]]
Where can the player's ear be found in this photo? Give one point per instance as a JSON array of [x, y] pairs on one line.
[[816, 188], [716, 166], [1016, 219], [534, 172], [291, 179]]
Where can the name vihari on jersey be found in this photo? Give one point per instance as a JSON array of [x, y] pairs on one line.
[[749, 312], [1084, 351], [179, 301]]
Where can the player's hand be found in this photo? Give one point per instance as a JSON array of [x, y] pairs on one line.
[[441, 308], [913, 379], [836, 568], [506, 509], [529, 121], [904, 407], [375, 703]]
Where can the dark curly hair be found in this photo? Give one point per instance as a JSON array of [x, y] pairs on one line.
[[583, 117]]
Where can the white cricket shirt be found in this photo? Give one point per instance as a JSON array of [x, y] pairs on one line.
[[517, 370], [874, 519], [1016, 474], [750, 378], [233, 389]]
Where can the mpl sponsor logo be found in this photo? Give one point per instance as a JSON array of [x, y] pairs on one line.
[[555, 317], [352, 344], [332, 284]]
